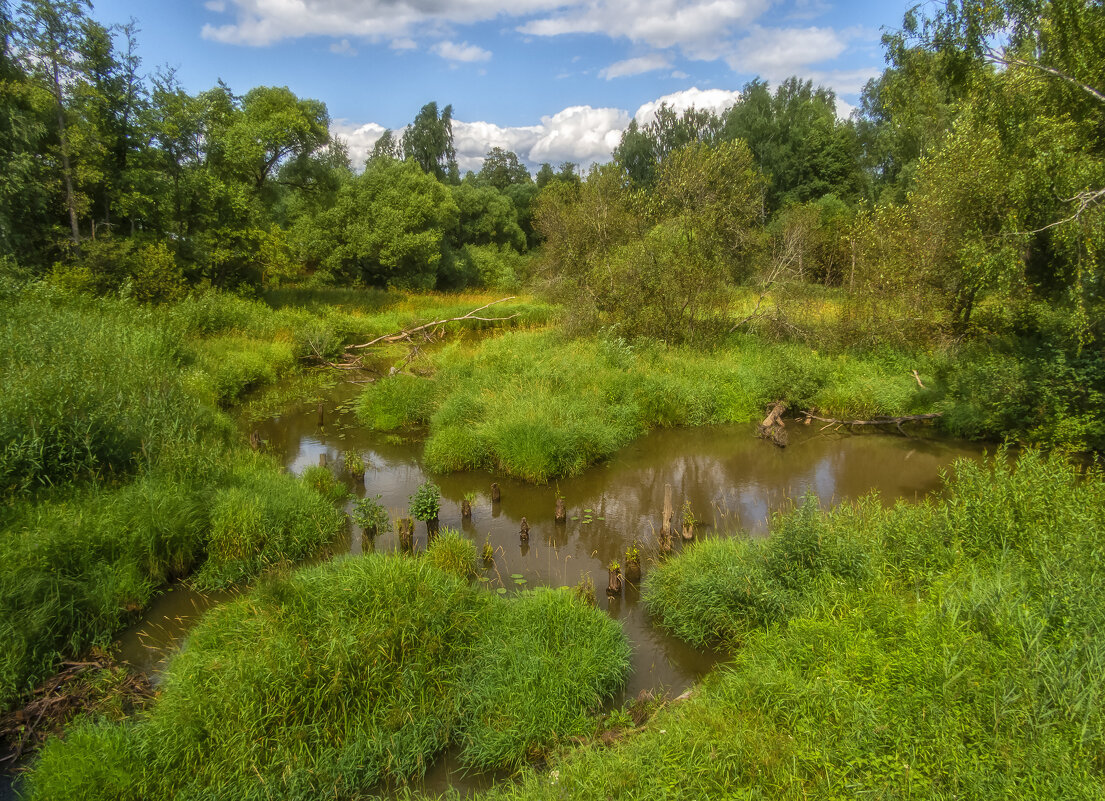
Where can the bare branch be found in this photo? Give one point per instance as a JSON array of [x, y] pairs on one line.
[[401, 335], [992, 55]]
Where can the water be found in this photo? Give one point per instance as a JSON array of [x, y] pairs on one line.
[[733, 480]]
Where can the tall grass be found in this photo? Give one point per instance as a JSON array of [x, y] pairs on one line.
[[959, 654], [343, 676], [538, 406]]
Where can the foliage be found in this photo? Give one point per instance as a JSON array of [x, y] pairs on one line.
[[425, 503], [370, 515], [452, 553]]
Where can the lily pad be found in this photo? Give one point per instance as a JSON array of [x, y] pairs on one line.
[[501, 590], [576, 517], [520, 581], [600, 518], [515, 575], [484, 578]]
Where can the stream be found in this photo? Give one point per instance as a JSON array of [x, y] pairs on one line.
[[733, 480]]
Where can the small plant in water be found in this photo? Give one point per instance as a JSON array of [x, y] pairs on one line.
[[354, 463], [488, 550], [426, 502], [370, 515], [585, 590], [688, 515]]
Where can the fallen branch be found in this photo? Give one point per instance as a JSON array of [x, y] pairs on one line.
[[773, 427], [897, 422], [406, 334]]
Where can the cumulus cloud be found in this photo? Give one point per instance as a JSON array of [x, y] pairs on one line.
[[635, 66], [583, 134], [451, 51], [359, 139], [715, 100]]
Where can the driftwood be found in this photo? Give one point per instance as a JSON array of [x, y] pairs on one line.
[[897, 422], [406, 334], [773, 427]]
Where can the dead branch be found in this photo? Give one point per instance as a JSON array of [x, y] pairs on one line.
[[406, 334], [878, 421]]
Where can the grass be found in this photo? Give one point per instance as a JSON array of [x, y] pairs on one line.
[[537, 406], [950, 649], [345, 675]]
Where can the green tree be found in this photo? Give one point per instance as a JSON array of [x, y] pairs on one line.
[[501, 168], [429, 141], [387, 228]]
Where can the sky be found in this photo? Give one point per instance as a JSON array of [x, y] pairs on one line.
[[552, 80]]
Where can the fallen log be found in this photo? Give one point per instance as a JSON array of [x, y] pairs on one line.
[[897, 422]]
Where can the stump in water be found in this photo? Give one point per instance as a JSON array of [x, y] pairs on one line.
[[431, 530], [321, 417], [525, 529], [665, 529], [614, 585], [322, 459], [773, 427], [561, 512], [633, 570], [496, 494], [466, 509], [255, 440], [688, 531], [406, 533]]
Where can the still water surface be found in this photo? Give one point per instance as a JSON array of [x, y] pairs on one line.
[[733, 480]]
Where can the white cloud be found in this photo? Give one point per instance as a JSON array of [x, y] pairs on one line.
[[451, 51], [777, 53], [635, 66], [715, 100], [359, 139], [218, 6], [343, 48], [680, 75], [263, 22], [700, 28], [403, 43], [579, 133]]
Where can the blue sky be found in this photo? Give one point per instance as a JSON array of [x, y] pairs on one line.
[[552, 80]]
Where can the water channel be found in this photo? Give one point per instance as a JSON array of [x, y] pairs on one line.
[[733, 480]]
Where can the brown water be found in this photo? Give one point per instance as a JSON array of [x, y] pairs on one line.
[[733, 480]]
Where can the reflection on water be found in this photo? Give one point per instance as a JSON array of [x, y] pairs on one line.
[[733, 481]]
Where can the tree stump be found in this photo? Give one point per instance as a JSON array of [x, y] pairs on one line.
[[614, 585], [561, 511], [633, 570], [431, 530], [496, 494], [322, 459], [405, 528], [466, 509], [525, 529], [666, 527], [773, 427], [321, 416], [688, 532]]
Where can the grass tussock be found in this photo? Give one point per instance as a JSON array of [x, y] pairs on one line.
[[946, 650], [537, 406], [343, 676]]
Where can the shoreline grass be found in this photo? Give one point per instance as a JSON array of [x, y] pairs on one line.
[[346, 675]]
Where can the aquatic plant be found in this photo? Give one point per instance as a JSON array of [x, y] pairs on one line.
[[451, 552], [371, 516], [425, 503]]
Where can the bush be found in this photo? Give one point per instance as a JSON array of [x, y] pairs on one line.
[[452, 553]]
